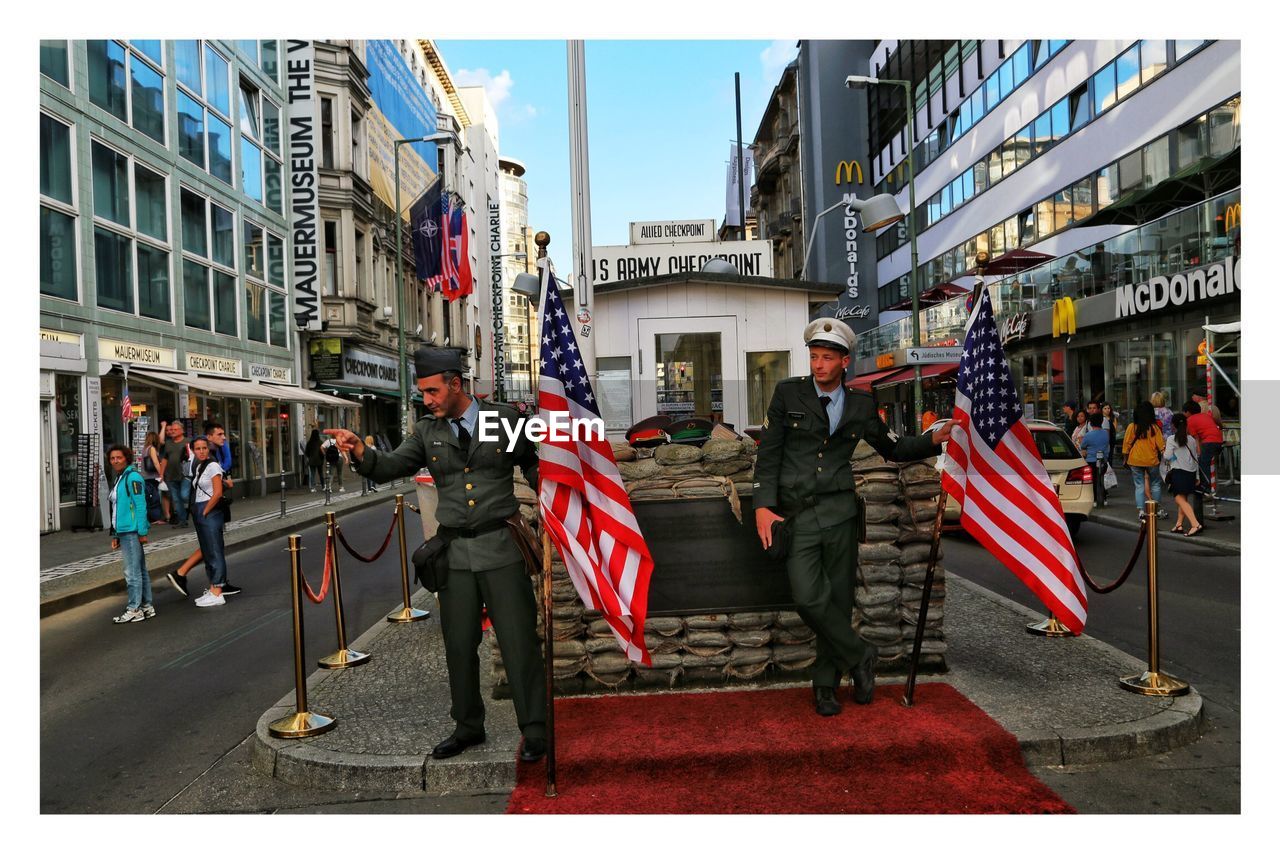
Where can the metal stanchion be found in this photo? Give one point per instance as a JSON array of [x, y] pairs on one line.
[[282, 503], [328, 491], [1050, 628], [1153, 683], [344, 657], [407, 614], [302, 722]]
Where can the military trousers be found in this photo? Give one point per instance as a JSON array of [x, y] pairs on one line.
[[822, 566], [507, 593]]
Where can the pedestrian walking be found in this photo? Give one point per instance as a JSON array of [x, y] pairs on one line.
[[129, 529], [1207, 431], [1094, 447], [368, 482], [486, 567], [216, 434], [1069, 415], [1110, 423], [151, 465], [1181, 452], [177, 472], [206, 493], [315, 459], [336, 462], [1164, 415], [1142, 447], [804, 491], [1080, 428]]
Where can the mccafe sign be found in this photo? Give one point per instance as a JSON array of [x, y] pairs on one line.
[[1183, 289]]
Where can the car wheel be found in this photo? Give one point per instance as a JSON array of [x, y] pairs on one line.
[[1073, 523]]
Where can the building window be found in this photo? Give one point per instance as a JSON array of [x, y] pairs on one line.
[[130, 216], [270, 62], [255, 311], [53, 61], [330, 259], [123, 82], [204, 132], [1104, 89], [208, 270], [1128, 75], [326, 133]]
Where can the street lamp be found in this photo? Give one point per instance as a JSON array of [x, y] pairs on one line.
[[858, 81], [405, 408], [877, 212]]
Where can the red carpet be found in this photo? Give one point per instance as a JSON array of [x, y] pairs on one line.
[[768, 752]]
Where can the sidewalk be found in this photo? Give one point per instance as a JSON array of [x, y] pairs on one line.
[[1058, 696], [1121, 512], [79, 567]]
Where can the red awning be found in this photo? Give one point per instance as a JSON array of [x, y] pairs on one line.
[[906, 375], [863, 382], [933, 296], [1013, 261]]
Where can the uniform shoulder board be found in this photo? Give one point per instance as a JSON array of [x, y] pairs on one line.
[[428, 417], [792, 381]]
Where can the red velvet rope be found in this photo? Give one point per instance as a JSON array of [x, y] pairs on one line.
[[355, 554], [1133, 561], [328, 571]]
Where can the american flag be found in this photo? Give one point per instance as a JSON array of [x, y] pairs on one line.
[[457, 259], [584, 504], [126, 405], [994, 471]]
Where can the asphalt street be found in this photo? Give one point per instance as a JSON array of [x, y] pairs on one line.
[[1199, 599], [132, 714]]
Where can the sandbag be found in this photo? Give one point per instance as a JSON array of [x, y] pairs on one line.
[[706, 622], [752, 619], [749, 637], [720, 450], [675, 455]]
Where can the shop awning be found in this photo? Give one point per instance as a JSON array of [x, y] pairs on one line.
[[306, 395], [1190, 185], [933, 296], [1013, 261], [213, 385], [863, 382], [414, 394], [906, 375]]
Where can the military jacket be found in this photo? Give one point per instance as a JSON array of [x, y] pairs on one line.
[[801, 465], [474, 489]]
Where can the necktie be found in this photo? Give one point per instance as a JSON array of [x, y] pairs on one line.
[[464, 438], [825, 400]]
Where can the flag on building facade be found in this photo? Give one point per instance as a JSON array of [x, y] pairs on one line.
[[584, 504], [994, 471], [428, 235], [126, 404], [457, 258]]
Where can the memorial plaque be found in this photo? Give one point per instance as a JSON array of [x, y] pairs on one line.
[[706, 562]]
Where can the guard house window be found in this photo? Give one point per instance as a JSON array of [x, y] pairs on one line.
[[53, 61], [130, 235], [612, 387], [127, 83], [688, 371], [58, 214], [764, 371]]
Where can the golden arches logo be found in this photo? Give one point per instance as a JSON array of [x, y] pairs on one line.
[[1231, 218], [845, 170], [1064, 317]]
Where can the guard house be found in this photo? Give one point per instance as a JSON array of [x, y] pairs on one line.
[[700, 344]]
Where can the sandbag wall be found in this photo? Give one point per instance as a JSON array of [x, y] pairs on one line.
[[718, 649]]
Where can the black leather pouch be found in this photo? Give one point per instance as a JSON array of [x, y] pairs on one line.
[[429, 564]]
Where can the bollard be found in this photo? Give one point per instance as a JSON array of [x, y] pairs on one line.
[[327, 490], [1153, 683], [282, 501], [344, 657], [1050, 628], [302, 722], [407, 614]]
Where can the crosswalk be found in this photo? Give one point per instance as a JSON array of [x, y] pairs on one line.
[[185, 538]]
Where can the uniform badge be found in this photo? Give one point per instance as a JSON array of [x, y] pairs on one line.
[[436, 444]]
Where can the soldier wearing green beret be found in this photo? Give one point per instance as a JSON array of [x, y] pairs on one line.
[[804, 475], [475, 485]]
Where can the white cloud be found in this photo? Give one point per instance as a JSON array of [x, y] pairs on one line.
[[497, 88], [775, 58]]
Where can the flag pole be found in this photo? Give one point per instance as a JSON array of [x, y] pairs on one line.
[[542, 239], [908, 696]]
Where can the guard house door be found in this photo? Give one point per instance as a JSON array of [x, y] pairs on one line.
[[690, 366]]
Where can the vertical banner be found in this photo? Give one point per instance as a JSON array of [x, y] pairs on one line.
[[304, 179], [93, 396], [499, 350], [733, 216]]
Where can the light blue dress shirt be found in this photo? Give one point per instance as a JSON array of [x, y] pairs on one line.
[[469, 419], [835, 408]]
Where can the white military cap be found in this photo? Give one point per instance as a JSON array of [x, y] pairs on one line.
[[829, 332]]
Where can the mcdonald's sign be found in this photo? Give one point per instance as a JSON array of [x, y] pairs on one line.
[[1231, 217], [1064, 317], [845, 170]]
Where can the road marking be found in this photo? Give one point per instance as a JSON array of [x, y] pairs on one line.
[[205, 650]]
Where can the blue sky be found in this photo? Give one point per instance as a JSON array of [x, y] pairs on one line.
[[661, 121]]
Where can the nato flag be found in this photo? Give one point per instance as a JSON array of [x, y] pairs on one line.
[[428, 235]]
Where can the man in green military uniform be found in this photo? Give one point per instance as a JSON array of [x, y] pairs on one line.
[[804, 474], [474, 482]]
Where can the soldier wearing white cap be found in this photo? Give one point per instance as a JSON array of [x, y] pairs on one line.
[[804, 480]]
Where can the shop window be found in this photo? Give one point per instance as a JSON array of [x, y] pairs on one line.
[[613, 390], [66, 390]]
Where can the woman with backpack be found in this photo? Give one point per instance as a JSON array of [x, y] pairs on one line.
[[151, 449], [1143, 444], [1181, 452], [315, 458], [206, 492], [129, 528]]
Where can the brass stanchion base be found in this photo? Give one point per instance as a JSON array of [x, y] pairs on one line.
[[1155, 685], [1050, 628], [301, 725], [408, 615], [344, 658]]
